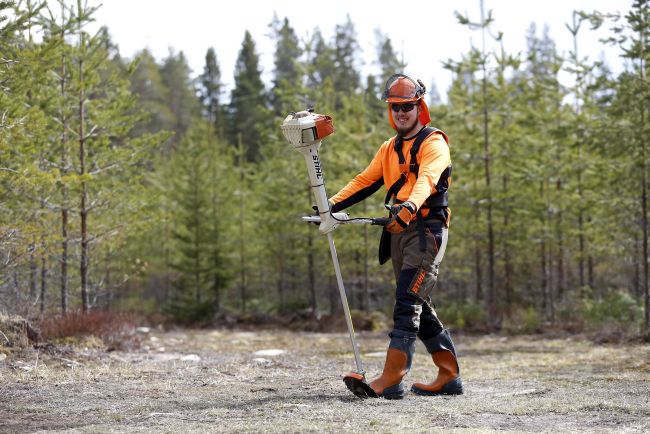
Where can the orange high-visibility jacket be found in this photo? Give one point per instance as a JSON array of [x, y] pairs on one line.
[[433, 158]]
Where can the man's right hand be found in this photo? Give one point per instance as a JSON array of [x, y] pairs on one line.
[[401, 216]]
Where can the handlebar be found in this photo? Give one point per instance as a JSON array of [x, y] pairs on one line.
[[376, 221]]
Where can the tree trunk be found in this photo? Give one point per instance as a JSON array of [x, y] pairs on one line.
[[491, 290], [506, 252], [64, 254], [242, 248], [478, 270], [198, 253], [544, 266], [644, 219], [644, 200], [43, 281], [33, 270], [64, 171], [83, 206]]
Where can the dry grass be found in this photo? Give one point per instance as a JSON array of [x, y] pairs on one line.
[[212, 381], [116, 330]]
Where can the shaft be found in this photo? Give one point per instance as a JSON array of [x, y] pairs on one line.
[[344, 301]]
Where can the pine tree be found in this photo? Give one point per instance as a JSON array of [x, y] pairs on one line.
[[347, 52], [109, 162], [248, 102], [287, 81], [629, 115], [388, 59], [153, 96], [182, 101], [211, 88], [320, 61], [197, 192]]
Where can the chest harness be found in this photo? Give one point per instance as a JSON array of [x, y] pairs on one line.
[[436, 202]]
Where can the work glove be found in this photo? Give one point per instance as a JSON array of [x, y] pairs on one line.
[[401, 216]]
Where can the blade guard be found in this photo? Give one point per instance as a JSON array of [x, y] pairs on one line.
[[358, 385]]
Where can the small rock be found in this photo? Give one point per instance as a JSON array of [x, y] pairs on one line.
[[23, 366], [191, 358], [262, 362], [2, 356], [269, 353], [143, 330]]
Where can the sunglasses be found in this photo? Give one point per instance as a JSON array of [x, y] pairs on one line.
[[404, 107]]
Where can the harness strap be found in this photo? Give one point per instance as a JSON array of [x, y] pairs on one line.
[[413, 163], [413, 167]]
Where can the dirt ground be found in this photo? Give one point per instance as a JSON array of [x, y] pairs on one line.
[[225, 381]]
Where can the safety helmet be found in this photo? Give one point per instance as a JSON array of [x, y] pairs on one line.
[[400, 89]]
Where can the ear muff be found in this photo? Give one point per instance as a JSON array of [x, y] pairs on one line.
[[424, 117]]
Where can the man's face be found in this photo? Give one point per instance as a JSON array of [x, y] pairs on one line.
[[405, 118]]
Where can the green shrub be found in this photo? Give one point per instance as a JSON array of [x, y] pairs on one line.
[[467, 315], [616, 308], [523, 320], [187, 310], [371, 321]]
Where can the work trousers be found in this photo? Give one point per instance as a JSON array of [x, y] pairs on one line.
[[414, 313]]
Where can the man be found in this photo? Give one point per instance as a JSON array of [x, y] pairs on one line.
[[415, 167]]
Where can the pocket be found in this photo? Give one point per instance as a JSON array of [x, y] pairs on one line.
[[424, 281], [435, 237]]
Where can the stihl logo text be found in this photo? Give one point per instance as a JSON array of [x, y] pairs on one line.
[[319, 171]]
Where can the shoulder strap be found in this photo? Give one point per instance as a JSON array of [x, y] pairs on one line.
[[413, 165], [423, 134]]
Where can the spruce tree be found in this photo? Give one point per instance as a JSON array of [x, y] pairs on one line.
[[287, 80], [197, 193], [248, 101], [176, 77], [153, 96], [210, 90]]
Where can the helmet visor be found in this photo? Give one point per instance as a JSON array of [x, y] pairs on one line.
[[401, 88]]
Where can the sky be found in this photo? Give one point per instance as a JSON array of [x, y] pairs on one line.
[[425, 32]]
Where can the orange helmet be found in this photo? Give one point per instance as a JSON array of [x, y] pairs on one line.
[[402, 89]]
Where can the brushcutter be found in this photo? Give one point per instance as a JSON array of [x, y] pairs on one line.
[[305, 131]]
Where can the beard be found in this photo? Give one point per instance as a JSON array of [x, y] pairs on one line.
[[404, 129]]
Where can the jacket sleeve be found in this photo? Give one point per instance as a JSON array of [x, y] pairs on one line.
[[434, 159], [363, 185]]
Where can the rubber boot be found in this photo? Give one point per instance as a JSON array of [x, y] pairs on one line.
[[399, 357], [448, 381]]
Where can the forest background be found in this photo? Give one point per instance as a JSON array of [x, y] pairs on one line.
[[129, 185]]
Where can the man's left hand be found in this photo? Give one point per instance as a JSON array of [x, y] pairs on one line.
[[401, 216]]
